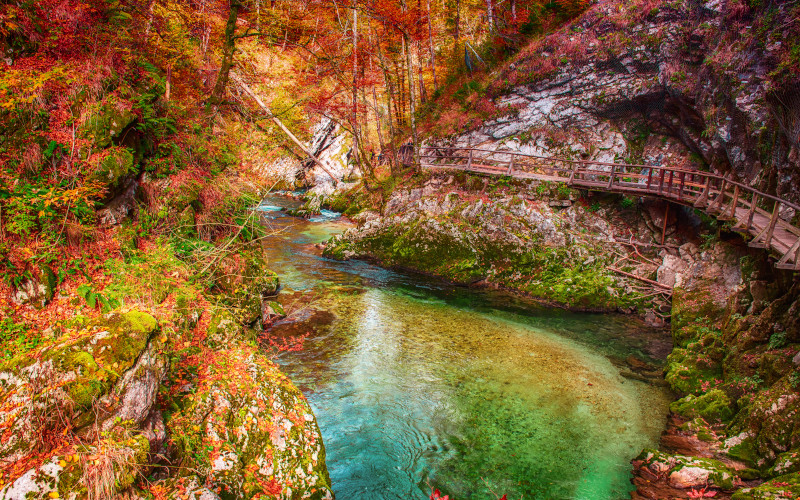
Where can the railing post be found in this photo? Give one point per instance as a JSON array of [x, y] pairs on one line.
[[735, 202], [572, 174], [661, 182], [752, 211], [716, 205], [671, 176], [649, 178], [469, 161], [611, 178], [510, 166], [702, 200], [683, 183], [772, 221]]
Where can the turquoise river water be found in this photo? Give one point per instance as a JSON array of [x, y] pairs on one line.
[[418, 384]]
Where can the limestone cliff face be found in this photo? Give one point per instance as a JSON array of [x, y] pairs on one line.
[[704, 85], [328, 143]]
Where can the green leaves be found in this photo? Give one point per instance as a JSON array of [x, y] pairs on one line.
[[94, 299]]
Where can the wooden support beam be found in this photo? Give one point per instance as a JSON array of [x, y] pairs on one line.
[[664, 229], [510, 166], [572, 175], [702, 201], [794, 254], [732, 213], [716, 205], [772, 222]]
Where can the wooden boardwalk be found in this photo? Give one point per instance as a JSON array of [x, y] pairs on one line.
[[753, 212]]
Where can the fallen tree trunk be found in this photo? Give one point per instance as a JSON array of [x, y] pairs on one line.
[[246, 88]]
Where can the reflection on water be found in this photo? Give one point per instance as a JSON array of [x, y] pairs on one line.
[[419, 384]]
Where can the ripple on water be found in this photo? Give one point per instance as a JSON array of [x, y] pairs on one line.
[[411, 392]]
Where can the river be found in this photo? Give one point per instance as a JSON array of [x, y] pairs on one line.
[[419, 384]]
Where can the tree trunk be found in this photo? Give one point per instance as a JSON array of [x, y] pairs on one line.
[[228, 50], [378, 126], [430, 45], [355, 87], [280, 125], [457, 32], [490, 14], [401, 82], [389, 98], [411, 104], [423, 93]]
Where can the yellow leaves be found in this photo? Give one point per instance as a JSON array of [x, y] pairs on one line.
[[53, 494]]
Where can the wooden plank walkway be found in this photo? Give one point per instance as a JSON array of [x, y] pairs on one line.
[[753, 212]]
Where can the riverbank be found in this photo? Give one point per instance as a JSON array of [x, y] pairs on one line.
[[148, 363]]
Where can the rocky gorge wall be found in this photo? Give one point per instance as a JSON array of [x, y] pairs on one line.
[[704, 85]]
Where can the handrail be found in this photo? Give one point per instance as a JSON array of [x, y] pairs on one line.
[[700, 173], [706, 190]]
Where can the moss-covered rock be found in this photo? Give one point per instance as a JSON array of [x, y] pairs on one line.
[[114, 168], [37, 291], [786, 487], [223, 329], [689, 472], [105, 122], [505, 243], [712, 406], [742, 447], [70, 376], [772, 418], [250, 432], [785, 463], [109, 467]]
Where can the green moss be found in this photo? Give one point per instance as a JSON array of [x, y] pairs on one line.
[[720, 475], [223, 328], [687, 371], [105, 123], [745, 451], [782, 487], [785, 463], [711, 406], [114, 167]]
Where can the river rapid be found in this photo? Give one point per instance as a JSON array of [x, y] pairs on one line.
[[419, 384]]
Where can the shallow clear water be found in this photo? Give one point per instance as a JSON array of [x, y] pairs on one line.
[[419, 384]]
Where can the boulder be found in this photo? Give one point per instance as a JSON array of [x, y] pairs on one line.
[[110, 371], [109, 467], [786, 487], [248, 431], [38, 290], [106, 123]]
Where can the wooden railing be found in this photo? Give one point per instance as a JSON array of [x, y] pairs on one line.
[[754, 212]]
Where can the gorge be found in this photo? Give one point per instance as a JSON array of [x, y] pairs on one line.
[[468, 249]]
